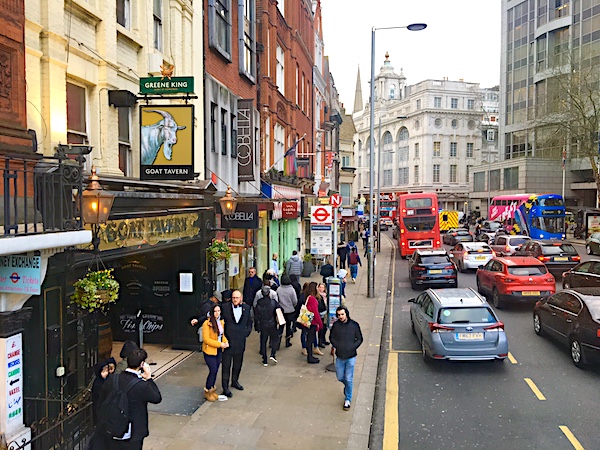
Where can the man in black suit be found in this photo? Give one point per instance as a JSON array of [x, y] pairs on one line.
[[139, 395], [252, 285], [238, 326]]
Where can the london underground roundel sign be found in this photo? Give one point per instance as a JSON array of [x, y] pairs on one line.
[[321, 215]]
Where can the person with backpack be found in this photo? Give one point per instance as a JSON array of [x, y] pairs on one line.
[[354, 261], [266, 323], [123, 410]]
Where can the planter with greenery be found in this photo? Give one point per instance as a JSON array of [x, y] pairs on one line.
[[96, 290], [218, 250]]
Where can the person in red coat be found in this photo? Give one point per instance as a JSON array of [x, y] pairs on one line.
[[313, 306]]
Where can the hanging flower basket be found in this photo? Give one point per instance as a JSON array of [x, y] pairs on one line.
[[218, 250], [97, 290]]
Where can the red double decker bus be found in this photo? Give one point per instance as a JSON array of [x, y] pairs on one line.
[[418, 223]]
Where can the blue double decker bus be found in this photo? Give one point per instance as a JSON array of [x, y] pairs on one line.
[[542, 216]]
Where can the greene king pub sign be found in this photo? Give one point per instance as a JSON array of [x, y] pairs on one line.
[[164, 85]]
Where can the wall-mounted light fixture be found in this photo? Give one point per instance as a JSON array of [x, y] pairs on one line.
[[95, 206], [228, 202]]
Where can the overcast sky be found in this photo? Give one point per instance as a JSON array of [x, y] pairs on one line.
[[462, 40]]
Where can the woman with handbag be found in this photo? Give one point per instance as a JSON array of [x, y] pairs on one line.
[[304, 330], [322, 298], [312, 305], [287, 301], [214, 341]]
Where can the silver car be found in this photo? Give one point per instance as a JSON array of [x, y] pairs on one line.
[[457, 324], [471, 255]]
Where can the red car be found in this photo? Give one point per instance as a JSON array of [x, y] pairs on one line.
[[515, 279]]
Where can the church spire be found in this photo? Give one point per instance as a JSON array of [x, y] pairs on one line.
[[358, 100]]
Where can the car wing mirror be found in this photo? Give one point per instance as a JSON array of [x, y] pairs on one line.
[[481, 267], [411, 300]]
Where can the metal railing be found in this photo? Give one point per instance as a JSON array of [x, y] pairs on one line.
[[40, 196]]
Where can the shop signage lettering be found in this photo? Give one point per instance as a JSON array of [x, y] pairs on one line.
[[161, 289], [173, 85], [14, 383], [289, 210], [150, 323], [245, 216], [134, 232], [245, 140], [20, 274]]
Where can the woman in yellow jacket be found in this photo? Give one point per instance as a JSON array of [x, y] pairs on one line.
[[214, 341]]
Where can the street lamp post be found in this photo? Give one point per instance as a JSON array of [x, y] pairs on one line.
[[371, 260]]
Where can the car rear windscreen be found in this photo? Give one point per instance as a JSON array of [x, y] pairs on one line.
[[466, 315], [434, 259], [525, 271], [558, 249], [518, 241]]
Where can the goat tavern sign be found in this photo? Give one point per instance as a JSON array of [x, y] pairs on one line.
[[167, 142], [163, 85]]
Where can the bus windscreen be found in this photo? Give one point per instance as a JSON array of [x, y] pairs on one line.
[[418, 202]]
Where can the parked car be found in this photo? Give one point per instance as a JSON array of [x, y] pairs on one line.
[[457, 324], [585, 274], [506, 244], [431, 268], [471, 255], [572, 316], [455, 235], [487, 237], [557, 255], [592, 244], [515, 279]]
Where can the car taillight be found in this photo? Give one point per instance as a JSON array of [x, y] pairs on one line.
[[497, 326], [419, 268], [436, 327], [543, 258], [493, 253], [454, 234], [550, 280], [507, 249], [598, 332], [466, 255], [576, 258], [450, 267]]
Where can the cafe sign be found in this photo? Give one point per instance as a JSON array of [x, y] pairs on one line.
[[164, 85]]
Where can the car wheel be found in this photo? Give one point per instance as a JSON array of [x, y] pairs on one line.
[[576, 352], [479, 288], [537, 325], [588, 249], [426, 357], [498, 303]]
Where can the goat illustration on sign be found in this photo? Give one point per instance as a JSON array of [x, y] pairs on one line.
[[163, 133]]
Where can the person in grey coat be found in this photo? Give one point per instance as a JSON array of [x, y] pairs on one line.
[[287, 301], [294, 265], [265, 291]]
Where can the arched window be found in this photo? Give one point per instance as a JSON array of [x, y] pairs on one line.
[[403, 134], [387, 138]]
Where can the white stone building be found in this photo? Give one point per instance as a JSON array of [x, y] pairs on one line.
[[430, 136]]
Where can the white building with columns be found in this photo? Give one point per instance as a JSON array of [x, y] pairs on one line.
[[428, 136]]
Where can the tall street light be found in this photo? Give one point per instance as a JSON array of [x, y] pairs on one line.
[[371, 266]]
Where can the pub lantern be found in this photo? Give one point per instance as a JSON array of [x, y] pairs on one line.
[[228, 203], [95, 206]]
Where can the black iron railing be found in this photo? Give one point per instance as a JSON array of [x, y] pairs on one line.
[[40, 196]]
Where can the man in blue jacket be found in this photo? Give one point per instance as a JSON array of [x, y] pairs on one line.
[[345, 337]]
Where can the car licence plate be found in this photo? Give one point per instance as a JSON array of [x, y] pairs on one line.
[[560, 258], [469, 336], [532, 293], [434, 271], [479, 258]]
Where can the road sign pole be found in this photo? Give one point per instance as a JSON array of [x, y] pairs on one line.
[[335, 234]]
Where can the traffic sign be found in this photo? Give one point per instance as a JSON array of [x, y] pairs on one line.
[[321, 215], [335, 200]]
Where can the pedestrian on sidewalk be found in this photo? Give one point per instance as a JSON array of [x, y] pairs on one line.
[[322, 298], [287, 301], [342, 252], [275, 264], [345, 337], [342, 273], [266, 324], [128, 347], [354, 261], [238, 326], [304, 330], [213, 344], [326, 270], [101, 371], [363, 236], [294, 265], [252, 285], [139, 395], [312, 304], [265, 290]]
